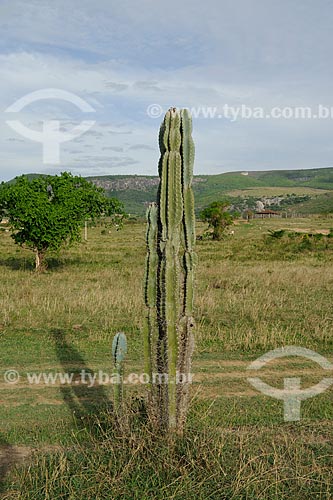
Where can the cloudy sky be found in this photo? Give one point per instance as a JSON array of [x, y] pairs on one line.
[[123, 57]]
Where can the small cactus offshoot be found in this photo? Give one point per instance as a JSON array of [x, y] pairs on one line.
[[119, 351]]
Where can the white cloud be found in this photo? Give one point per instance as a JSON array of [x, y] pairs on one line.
[[120, 58]]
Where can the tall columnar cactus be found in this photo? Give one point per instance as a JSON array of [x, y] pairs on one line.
[[170, 268], [119, 350]]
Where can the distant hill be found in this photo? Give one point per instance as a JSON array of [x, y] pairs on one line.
[[319, 204], [321, 178], [137, 191]]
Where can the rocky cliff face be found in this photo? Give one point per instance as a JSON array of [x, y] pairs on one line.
[[126, 183], [137, 183]]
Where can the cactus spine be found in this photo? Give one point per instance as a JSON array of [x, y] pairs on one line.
[[170, 269], [119, 350]]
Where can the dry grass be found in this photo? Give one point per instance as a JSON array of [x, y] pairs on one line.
[[252, 296]]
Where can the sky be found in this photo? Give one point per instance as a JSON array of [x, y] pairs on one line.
[[121, 64]]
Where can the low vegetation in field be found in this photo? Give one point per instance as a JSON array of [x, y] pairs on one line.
[[271, 462], [255, 292]]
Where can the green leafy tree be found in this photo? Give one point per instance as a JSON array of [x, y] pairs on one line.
[[218, 218], [47, 212]]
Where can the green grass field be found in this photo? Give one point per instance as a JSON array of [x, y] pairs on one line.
[[254, 293]]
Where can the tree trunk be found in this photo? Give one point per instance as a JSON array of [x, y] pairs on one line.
[[40, 263], [217, 232]]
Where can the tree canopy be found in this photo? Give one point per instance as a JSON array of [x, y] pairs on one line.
[[47, 212], [218, 217]]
